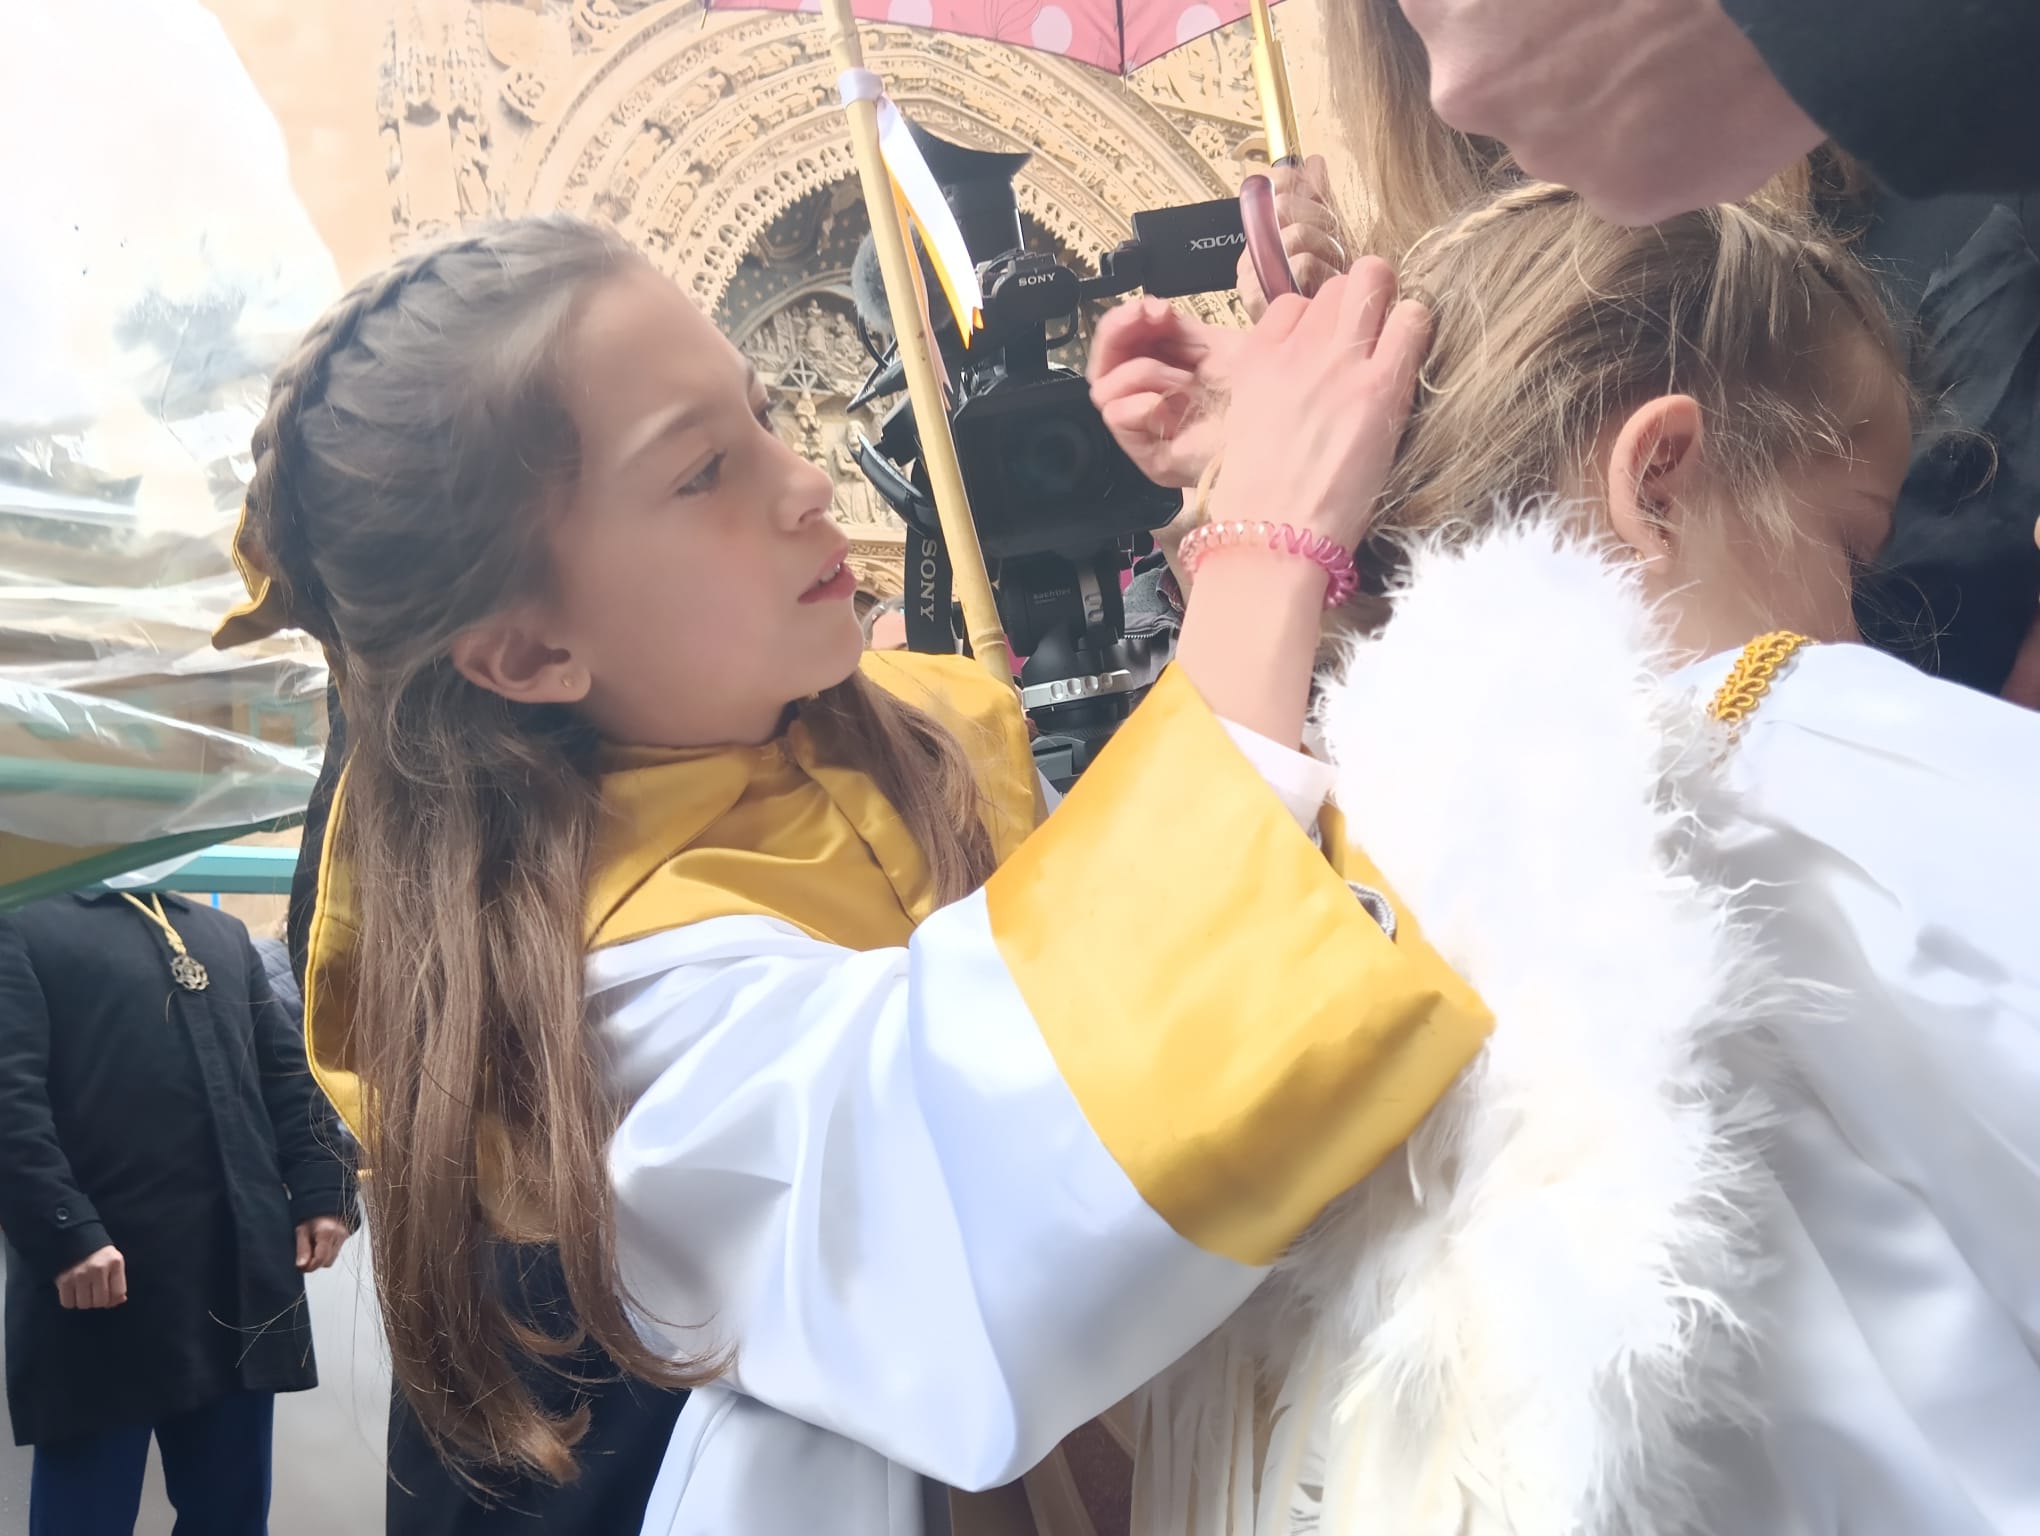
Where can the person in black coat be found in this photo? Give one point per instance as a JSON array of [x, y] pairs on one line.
[[167, 1174]]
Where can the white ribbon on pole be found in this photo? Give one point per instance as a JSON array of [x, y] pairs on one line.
[[922, 204]]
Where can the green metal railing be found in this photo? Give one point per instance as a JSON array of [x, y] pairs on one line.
[[223, 869], [233, 871], [220, 869], [98, 781]]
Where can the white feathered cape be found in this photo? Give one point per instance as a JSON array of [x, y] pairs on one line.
[[1550, 1314]]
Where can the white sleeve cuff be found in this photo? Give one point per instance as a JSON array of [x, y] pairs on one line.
[[1300, 781]]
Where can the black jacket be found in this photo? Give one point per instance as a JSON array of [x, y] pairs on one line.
[[304, 877], [1941, 99], [184, 1129], [629, 1425], [1958, 587], [1934, 95]]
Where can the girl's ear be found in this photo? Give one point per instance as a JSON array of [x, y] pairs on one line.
[[508, 655], [1653, 469]]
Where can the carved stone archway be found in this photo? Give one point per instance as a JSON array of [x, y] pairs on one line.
[[695, 134], [698, 135], [790, 310]]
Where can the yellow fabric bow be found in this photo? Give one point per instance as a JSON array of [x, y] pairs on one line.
[[268, 609]]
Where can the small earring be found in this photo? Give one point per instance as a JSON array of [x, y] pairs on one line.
[[571, 681]]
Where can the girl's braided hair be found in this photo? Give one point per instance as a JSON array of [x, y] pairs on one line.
[[413, 459]]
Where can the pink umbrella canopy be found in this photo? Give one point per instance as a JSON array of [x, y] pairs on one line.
[[1115, 35]]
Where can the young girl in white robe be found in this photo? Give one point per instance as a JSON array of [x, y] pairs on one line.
[[657, 926], [1734, 1227]]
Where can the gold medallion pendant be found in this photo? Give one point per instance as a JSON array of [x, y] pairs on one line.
[[185, 968], [189, 974]]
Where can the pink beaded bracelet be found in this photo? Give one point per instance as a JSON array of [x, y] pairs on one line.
[[1320, 551]]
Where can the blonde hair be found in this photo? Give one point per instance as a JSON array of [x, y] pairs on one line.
[[413, 452], [1406, 170], [1550, 323]]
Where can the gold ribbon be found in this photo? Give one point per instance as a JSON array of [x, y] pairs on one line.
[[268, 609], [187, 972], [271, 607]]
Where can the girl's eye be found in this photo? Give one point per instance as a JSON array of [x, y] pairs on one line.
[[764, 415], [704, 482]]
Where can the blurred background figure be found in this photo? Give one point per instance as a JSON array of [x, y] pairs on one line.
[[168, 1175], [885, 625]]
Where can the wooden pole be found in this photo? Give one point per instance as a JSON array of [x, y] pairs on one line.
[[917, 353], [1271, 83]]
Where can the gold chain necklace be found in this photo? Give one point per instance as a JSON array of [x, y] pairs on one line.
[[1751, 677], [184, 970]]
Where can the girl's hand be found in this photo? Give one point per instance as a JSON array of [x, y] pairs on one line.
[[1310, 233], [1320, 392], [1160, 378]]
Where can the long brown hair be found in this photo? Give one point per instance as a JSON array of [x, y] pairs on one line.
[[413, 451], [1549, 322]]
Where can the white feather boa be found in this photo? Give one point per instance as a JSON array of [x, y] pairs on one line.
[[1521, 1323]]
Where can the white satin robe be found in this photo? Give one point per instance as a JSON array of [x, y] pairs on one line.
[[1506, 1331], [864, 1169], [1893, 823]]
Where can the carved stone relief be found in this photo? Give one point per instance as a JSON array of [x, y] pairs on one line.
[[436, 114], [812, 361], [698, 135]]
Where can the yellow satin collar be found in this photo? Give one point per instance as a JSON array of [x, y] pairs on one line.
[[773, 831], [779, 831]]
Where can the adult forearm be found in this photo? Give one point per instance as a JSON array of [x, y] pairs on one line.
[[43, 1208]]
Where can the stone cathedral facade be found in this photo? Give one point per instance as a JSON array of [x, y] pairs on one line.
[[713, 141]]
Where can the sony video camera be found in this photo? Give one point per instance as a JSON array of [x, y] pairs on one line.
[[1061, 511]]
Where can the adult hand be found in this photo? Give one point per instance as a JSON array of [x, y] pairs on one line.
[[1310, 233], [1159, 378], [1320, 393], [1648, 108], [98, 1281], [319, 1241]]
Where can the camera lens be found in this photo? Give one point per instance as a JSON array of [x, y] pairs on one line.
[[1051, 457]]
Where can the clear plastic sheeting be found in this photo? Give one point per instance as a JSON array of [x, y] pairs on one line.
[[155, 265]]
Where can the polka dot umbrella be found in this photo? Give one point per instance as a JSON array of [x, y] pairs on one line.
[[1115, 35]]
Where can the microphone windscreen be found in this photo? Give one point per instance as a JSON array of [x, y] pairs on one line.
[[867, 289]]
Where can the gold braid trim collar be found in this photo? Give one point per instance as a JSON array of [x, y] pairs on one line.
[[1750, 679]]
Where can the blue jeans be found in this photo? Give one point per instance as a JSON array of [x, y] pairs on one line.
[[215, 1469]]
